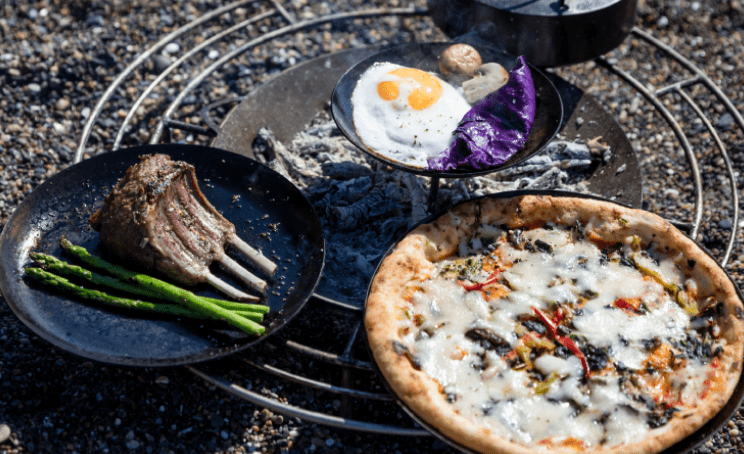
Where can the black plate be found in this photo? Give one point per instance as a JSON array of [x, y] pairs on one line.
[[268, 211], [424, 56], [684, 446]]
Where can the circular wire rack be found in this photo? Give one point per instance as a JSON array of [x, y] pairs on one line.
[[339, 371]]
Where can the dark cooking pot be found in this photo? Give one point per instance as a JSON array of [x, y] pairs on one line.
[[547, 32]]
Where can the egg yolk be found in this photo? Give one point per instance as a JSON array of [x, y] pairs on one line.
[[423, 88]]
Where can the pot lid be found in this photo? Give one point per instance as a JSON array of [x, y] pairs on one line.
[[549, 7], [547, 33]]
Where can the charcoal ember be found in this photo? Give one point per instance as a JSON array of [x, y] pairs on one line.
[[574, 156], [274, 154], [346, 192], [393, 227], [417, 195], [345, 170], [457, 192], [356, 263], [268, 150], [378, 202], [553, 177]]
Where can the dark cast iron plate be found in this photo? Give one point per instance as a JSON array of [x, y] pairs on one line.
[[424, 56], [684, 446], [268, 212]]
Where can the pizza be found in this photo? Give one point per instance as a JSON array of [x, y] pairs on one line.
[[555, 324]]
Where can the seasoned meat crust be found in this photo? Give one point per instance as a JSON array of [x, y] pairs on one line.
[[157, 217]]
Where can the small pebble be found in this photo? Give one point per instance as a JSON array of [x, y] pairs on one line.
[[726, 224], [161, 63], [4, 432], [172, 48], [59, 128], [671, 192], [13, 128]]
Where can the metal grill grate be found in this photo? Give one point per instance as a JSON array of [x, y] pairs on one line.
[[347, 402]]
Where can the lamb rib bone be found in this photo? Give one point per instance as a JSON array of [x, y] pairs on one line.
[[228, 289], [253, 255], [243, 274], [158, 217]]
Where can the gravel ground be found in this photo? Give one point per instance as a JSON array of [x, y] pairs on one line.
[[57, 58]]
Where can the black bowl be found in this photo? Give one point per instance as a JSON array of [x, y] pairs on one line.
[[424, 56]]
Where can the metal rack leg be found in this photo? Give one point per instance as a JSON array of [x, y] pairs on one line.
[[433, 193]]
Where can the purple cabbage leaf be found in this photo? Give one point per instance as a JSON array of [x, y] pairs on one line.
[[495, 128]]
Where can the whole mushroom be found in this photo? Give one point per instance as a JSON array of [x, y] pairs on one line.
[[459, 60]]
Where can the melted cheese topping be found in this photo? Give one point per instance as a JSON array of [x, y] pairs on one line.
[[500, 343]]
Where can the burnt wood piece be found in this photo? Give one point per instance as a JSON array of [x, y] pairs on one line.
[[158, 218]]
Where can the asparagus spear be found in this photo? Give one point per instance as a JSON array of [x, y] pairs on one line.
[[166, 291], [62, 283], [61, 267]]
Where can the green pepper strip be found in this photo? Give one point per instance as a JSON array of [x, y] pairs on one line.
[[670, 286], [524, 353], [544, 386]]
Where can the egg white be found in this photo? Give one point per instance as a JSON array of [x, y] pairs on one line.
[[398, 132]]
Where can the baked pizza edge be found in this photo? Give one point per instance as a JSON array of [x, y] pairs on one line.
[[413, 257]]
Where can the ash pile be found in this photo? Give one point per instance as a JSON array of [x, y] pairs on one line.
[[365, 206]]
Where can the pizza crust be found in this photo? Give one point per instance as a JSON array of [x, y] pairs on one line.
[[413, 259]]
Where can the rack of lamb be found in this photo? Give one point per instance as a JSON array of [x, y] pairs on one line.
[[158, 218]]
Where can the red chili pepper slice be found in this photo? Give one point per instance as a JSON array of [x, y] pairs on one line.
[[569, 344], [547, 321], [493, 277], [563, 340], [557, 317], [622, 304]]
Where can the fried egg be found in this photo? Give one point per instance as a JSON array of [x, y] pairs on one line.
[[405, 114]]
